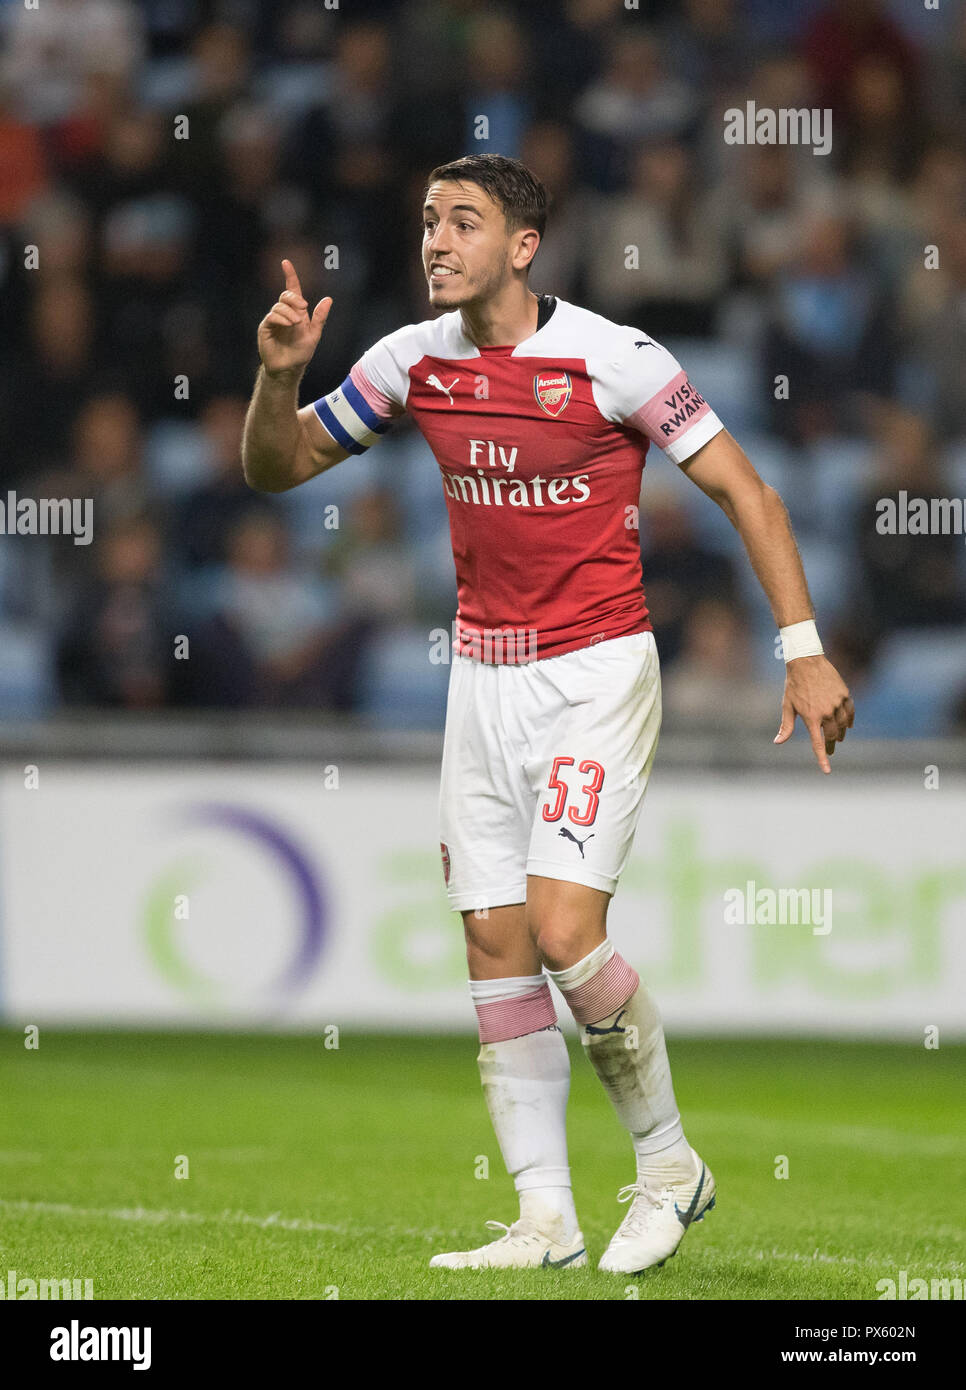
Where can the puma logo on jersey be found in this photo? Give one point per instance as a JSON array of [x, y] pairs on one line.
[[446, 390], [579, 843]]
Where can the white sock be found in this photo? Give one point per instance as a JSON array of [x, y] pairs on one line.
[[671, 1163], [508, 987], [637, 1078], [526, 1082]]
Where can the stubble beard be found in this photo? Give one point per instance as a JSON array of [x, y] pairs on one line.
[[485, 286]]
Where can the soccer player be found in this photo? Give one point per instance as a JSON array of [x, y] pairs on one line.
[[539, 414]]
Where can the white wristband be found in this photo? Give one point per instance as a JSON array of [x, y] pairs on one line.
[[800, 639]]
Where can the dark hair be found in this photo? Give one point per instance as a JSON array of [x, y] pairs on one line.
[[509, 183]]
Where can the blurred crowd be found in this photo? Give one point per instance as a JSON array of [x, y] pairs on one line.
[[129, 349]]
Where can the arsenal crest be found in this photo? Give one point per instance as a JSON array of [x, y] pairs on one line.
[[552, 391]]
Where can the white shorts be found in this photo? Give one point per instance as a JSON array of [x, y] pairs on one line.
[[545, 766]]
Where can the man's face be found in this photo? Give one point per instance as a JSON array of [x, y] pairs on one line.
[[466, 247]]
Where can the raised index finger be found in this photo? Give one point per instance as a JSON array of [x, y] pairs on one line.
[[291, 279]]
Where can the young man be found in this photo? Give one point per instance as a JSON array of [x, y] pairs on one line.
[[539, 415]]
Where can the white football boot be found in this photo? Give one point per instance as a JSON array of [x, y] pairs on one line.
[[655, 1225], [521, 1246]]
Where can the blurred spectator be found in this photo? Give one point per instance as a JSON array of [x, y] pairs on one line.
[[429, 49], [496, 85], [267, 640], [760, 214], [357, 110], [548, 149], [55, 376], [847, 34], [777, 82], [211, 513], [828, 334], [374, 565], [712, 683], [249, 203], [78, 139], [633, 102], [678, 570], [680, 270], [947, 76], [221, 64], [52, 48], [361, 95], [117, 649], [23, 163], [59, 225], [908, 580], [880, 152], [128, 161], [105, 465], [933, 311], [376, 572], [883, 132], [573, 42], [774, 23], [706, 45], [352, 152], [939, 189], [151, 318]]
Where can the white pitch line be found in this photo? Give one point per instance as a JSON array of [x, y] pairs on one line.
[[224, 1155], [820, 1257], [162, 1217], [275, 1221]]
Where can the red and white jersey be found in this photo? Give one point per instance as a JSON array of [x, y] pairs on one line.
[[541, 448]]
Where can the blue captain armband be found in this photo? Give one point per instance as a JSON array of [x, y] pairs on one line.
[[349, 418]]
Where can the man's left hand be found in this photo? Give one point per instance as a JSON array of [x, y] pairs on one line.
[[817, 694]]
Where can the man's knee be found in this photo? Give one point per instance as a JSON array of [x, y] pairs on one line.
[[563, 943], [497, 942], [565, 921]]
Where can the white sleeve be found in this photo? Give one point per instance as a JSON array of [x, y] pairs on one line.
[[360, 411], [641, 385]]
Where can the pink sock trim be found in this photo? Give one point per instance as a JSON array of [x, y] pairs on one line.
[[604, 992], [513, 1018]]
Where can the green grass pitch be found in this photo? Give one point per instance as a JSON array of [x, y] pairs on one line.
[[312, 1169]]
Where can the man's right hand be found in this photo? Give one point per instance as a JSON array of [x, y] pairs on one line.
[[287, 337]]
